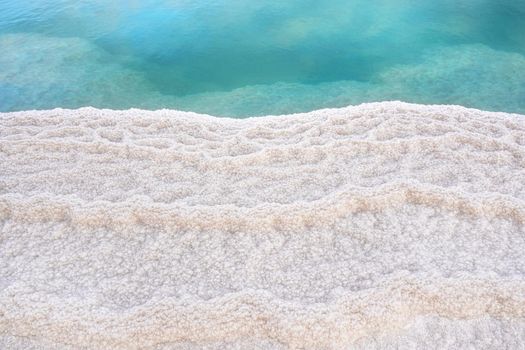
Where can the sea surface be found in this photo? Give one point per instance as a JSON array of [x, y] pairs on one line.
[[251, 58]]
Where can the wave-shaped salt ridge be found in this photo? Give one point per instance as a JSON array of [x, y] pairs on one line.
[[141, 211], [258, 313], [134, 229]]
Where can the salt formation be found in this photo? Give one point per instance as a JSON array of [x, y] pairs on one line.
[[377, 226]]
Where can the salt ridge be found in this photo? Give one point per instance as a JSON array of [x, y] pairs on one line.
[[338, 228]]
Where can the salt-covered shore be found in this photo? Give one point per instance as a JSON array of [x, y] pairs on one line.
[[377, 226]]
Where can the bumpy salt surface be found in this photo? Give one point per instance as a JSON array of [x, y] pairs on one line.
[[377, 226]]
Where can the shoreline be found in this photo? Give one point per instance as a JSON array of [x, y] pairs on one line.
[[323, 111]]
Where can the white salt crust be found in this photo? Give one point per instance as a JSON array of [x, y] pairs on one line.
[[385, 225]]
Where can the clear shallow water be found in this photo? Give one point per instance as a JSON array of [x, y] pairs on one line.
[[239, 58]]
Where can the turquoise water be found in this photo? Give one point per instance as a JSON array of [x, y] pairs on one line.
[[246, 58]]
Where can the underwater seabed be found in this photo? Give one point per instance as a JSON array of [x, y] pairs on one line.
[[373, 226], [39, 72]]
